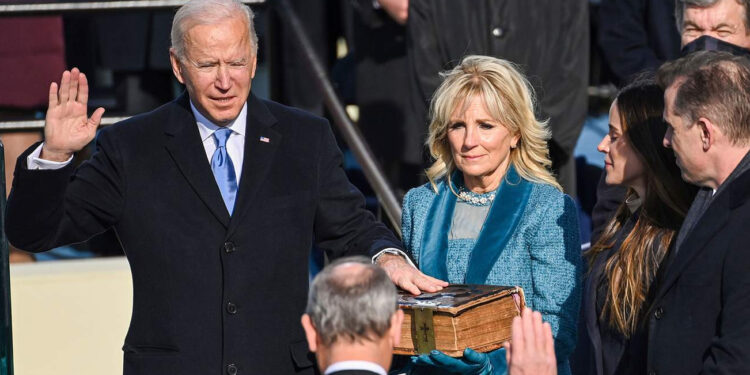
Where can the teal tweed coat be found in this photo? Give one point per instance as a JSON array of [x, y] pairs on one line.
[[543, 256]]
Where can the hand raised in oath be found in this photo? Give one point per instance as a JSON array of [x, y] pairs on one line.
[[67, 128], [532, 351]]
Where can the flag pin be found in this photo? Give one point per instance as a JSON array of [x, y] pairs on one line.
[[264, 139]]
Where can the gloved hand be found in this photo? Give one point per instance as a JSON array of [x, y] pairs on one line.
[[472, 363]]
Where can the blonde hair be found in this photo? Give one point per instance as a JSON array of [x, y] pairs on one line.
[[509, 99]]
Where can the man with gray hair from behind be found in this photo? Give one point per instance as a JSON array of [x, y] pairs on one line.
[[352, 320]]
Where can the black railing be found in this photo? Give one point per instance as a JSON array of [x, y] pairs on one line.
[[6, 337], [63, 7]]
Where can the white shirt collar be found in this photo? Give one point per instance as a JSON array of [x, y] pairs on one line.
[[355, 365], [207, 128]]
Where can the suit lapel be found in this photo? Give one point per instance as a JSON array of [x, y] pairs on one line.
[[184, 145], [707, 227], [261, 143]]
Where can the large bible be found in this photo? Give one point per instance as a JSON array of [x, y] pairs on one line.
[[458, 317]]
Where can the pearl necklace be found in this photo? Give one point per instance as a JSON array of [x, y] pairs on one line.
[[475, 199]]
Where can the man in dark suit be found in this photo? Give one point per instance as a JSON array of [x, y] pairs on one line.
[[698, 320], [352, 320], [216, 198], [702, 25]]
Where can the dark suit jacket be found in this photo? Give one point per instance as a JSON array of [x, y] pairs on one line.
[[548, 39], [637, 35], [698, 322], [211, 293]]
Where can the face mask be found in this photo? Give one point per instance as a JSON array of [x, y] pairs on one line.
[[709, 43]]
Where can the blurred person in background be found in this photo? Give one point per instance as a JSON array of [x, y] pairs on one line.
[[492, 212], [382, 90], [624, 262], [636, 36]]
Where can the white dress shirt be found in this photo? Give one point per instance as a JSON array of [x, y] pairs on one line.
[[235, 143], [355, 365]]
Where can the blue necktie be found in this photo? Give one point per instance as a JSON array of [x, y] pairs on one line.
[[221, 165]]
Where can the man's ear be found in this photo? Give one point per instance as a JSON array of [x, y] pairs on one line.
[[176, 67], [708, 132], [254, 64], [395, 331], [310, 333]]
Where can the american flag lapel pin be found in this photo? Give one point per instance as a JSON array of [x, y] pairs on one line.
[[264, 139]]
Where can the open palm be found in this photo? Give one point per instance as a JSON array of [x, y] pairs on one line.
[[67, 128]]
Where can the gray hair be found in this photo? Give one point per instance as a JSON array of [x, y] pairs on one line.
[[714, 85], [206, 12], [680, 5], [353, 306]]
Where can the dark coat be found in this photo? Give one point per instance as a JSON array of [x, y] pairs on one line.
[[608, 352], [698, 322], [637, 35], [211, 294], [549, 39]]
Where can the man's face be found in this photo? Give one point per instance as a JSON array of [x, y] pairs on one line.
[[685, 140], [724, 20], [217, 68]]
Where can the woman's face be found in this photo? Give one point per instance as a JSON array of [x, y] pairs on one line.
[[621, 163], [480, 145]]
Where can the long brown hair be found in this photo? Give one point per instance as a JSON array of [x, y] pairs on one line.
[[631, 269]]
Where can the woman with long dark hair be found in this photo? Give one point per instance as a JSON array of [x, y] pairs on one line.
[[624, 262]]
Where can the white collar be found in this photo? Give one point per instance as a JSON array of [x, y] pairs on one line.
[[355, 365], [207, 128]]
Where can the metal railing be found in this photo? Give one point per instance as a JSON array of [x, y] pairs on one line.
[[6, 336], [351, 134], [63, 7]]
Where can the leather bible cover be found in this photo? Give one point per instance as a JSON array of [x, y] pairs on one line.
[[457, 317]]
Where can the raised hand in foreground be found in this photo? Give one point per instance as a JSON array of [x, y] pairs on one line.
[[67, 128], [533, 349]]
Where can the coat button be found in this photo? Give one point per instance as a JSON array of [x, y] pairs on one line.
[[232, 369], [231, 308], [659, 313], [229, 247], [498, 32]]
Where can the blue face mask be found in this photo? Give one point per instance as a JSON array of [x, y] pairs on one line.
[[709, 43]]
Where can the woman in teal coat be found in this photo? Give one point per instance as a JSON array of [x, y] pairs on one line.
[[492, 212]]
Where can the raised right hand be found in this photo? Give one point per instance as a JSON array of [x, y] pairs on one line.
[[67, 129], [532, 351]]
